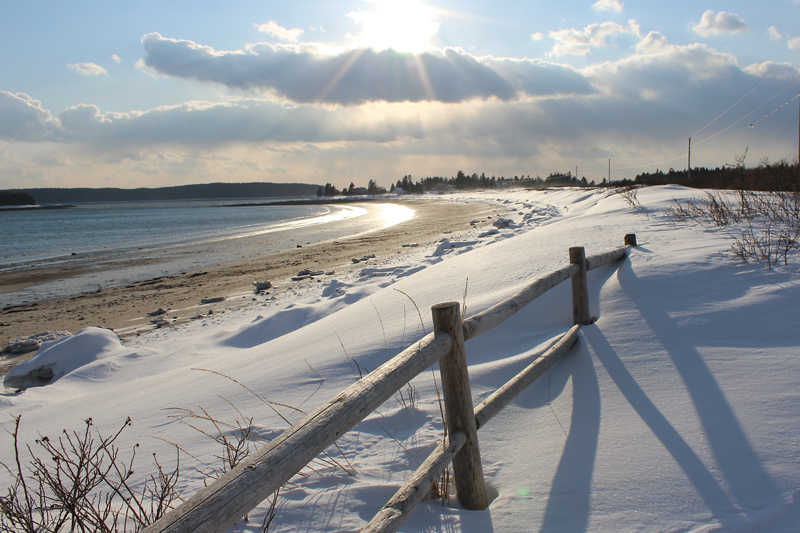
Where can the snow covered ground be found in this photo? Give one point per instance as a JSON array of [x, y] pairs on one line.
[[676, 411]]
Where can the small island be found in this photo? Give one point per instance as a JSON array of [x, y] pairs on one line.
[[22, 201]]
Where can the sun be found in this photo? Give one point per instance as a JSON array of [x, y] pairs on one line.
[[402, 25]]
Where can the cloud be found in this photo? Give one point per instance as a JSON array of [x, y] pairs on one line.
[[794, 44], [307, 73], [115, 58], [720, 23], [87, 69], [538, 36], [774, 34], [652, 42], [577, 42], [541, 78], [608, 5], [280, 32], [142, 67], [22, 118], [245, 120], [780, 71]]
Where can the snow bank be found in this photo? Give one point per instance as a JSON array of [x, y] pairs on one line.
[[61, 356]]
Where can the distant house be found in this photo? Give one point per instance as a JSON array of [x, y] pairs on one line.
[[559, 180]]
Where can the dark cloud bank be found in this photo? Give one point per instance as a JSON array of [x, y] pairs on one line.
[[304, 75]]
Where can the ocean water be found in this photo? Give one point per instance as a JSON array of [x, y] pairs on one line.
[[119, 243], [31, 239]]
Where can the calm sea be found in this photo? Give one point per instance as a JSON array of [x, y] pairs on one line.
[[124, 242], [104, 231]]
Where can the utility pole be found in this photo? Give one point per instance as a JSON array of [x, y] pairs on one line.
[[609, 171], [690, 157]]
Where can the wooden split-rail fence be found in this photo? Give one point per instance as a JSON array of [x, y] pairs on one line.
[[218, 506]]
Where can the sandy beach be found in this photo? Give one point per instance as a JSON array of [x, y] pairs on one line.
[[124, 309]]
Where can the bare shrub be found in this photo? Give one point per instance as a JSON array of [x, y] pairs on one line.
[[82, 485], [628, 194], [764, 223], [237, 438]]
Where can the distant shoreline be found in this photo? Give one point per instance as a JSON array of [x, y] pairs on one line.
[[200, 191], [319, 201], [11, 208]]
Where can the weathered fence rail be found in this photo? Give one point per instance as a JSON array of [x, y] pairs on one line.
[[218, 506]]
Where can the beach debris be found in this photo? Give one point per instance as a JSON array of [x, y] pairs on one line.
[[262, 285], [307, 274], [312, 273], [366, 257], [335, 288], [445, 246], [488, 233], [21, 345], [213, 300], [502, 222], [159, 311], [411, 245], [160, 321]]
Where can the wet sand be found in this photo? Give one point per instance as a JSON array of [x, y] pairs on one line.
[[124, 309]]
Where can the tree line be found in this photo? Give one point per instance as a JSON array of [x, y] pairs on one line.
[[461, 181], [781, 176]]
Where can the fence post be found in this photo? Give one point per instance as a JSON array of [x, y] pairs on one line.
[[580, 288], [459, 412]]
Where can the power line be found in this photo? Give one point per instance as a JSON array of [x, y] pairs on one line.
[[791, 84], [743, 97], [770, 114], [597, 165], [753, 111]]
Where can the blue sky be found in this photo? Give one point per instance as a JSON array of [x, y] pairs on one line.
[[165, 93]]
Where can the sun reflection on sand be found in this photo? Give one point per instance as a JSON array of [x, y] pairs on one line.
[[395, 214]]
